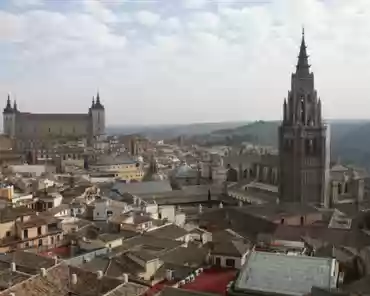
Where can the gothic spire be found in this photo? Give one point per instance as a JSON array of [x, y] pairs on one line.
[[98, 104], [98, 98], [303, 67], [8, 108], [15, 107]]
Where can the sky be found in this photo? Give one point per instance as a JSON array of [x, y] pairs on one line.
[[182, 61]]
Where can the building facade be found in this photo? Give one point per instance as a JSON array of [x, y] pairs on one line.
[[32, 131], [304, 140]]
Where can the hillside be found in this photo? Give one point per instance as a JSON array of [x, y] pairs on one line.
[[160, 132], [350, 140]]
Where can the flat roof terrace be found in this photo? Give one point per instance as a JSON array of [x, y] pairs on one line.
[[280, 274]]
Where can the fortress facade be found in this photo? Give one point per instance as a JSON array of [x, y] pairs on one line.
[[35, 130]]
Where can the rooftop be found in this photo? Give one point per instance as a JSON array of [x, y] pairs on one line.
[[170, 231], [57, 282], [169, 291], [283, 274], [110, 160], [212, 281], [151, 187]]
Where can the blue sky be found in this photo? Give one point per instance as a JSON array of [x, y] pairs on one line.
[[179, 61]]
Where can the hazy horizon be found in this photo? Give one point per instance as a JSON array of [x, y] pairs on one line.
[[179, 62]]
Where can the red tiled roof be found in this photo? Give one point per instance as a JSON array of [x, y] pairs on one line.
[[212, 281]]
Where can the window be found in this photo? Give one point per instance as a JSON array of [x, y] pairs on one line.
[[218, 261], [346, 188], [25, 233], [26, 245], [58, 238], [40, 242], [49, 130], [282, 221], [52, 240], [8, 233], [302, 220], [39, 232], [109, 213], [230, 262]]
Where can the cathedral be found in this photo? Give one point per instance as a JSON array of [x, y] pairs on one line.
[[304, 140], [302, 171], [32, 130]]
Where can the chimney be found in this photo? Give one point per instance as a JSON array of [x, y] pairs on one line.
[[13, 267], [125, 278], [99, 274], [55, 260], [43, 272], [73, 279]]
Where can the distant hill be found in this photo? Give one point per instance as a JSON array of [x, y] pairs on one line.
[[350, 139], [163, 132]]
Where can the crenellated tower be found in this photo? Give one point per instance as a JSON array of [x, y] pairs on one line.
[[304, 140]]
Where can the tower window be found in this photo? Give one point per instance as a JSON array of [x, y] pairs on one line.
[[288, 143]]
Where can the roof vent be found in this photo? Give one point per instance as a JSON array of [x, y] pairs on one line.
[[125, 278], [74, 279], [99, 274], [13, 267], [43, 272]]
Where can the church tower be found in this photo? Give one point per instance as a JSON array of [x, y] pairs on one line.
[[9, 118], [97, 112], [304, 140]]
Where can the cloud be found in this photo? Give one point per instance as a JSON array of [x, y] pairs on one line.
[[195, 4], [147, 18], [99, 10], [194, 64], [26, 3]]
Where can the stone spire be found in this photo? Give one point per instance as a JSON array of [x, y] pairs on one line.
[[8, 108], [15, 107], [98, 104], [303, 68]]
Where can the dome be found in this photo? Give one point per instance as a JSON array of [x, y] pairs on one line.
[[185, 171]]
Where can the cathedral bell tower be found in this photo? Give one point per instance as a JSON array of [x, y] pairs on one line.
[[97, 112], [304, 140], [9, 118]]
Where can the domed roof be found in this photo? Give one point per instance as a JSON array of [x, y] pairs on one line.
[[185, 171]]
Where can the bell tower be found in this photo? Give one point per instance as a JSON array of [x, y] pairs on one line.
[[98, 117], [9, 118], [304, 140]]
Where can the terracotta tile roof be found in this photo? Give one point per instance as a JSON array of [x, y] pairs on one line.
[[128, 289], [26, 261], [57, 282], [35, 221], [170, 231], [9, 278], [8, 214]]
